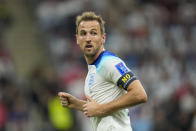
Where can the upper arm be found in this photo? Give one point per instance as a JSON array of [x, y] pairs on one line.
[[117, 72], [136, 89]]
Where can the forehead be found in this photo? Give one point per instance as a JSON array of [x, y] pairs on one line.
[[85, 25]]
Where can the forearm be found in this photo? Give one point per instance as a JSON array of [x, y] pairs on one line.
[[123, 102], [134, 96], [80, 105], [70, 101]]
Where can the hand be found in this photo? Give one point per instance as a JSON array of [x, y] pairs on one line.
[[69, 101], [92, 108], [64, 99]]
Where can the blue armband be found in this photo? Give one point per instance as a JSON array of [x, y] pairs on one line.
[[126, 79]]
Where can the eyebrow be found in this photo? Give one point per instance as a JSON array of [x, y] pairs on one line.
[[82, 31], [90, 30], [94, 29]]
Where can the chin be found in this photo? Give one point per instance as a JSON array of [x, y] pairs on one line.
[[89, 54]]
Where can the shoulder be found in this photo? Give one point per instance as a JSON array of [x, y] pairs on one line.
[[107, 59]]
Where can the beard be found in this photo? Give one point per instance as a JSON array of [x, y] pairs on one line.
[[92, 53]]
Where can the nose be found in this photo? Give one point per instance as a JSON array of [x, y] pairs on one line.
[[88, 38]]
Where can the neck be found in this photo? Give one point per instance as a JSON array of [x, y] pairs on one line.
[[90, 60]]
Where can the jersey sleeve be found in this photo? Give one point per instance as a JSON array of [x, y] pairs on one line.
[[116, 71]]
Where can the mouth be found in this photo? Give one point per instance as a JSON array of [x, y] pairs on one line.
[[89, 46]]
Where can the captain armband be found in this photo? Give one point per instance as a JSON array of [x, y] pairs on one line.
[[126, 79]]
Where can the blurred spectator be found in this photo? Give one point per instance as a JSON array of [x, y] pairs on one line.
[[5, 18]]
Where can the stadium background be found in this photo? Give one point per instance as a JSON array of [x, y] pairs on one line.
[[39, 57]]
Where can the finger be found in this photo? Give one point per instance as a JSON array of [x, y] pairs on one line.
[[63, 94], [90, 99], [64, 102], [60, 94], [85, 113], [85, 105], [85, 109], [66, 99], [63, 98]]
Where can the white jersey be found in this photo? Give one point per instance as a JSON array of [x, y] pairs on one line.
[[107, 79]]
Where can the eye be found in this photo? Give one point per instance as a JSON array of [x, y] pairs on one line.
[[82, 33], [93, 32]]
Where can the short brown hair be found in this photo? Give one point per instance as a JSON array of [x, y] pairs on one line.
[[89, 16]]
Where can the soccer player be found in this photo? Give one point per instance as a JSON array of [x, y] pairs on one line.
[[110, 86]]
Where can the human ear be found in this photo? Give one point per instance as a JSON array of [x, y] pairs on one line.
[[103, 38], [76, 39]]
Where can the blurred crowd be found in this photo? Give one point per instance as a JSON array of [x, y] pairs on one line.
[[156, 38]]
